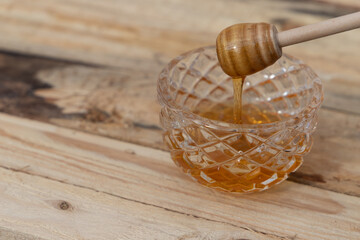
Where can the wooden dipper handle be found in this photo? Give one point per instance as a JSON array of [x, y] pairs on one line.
[[247, 48], [320, 29]]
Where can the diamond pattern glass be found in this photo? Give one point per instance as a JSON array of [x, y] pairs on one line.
[[238, 157]]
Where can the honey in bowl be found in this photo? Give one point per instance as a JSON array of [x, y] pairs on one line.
[[218, 165], [279, 114]]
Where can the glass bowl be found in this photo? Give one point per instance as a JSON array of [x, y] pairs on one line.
[[196, 96]]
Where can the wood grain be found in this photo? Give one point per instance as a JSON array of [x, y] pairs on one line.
[[246, 48], [54, 210], [122, 104], [93, 66], [6, 234], [111, 33], [81, 186]]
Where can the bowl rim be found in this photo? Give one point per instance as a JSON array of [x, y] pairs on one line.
[[163, 86]]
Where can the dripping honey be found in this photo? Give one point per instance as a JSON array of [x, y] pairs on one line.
[[238, 85]]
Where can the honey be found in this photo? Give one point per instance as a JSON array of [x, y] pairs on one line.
[[234, 145], [216, 166], [238, 85], [219, 167]]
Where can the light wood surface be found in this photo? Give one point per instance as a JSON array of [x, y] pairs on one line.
[[93, 65], [109, 32], [63, 184]]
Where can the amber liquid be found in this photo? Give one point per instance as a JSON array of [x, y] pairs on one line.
[[238, 85], [214, 165], [217, 164]]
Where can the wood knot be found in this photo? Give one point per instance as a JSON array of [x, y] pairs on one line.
[[63, 205]]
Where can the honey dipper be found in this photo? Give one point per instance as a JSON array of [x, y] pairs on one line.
[[246, 48]]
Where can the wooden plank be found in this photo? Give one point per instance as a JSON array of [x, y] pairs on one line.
[[6, 234], [112, 32], [344, 3], [333, 162], [122, 104], [102, 182], [115, 103], [37, 208]]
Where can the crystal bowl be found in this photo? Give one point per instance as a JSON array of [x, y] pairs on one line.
[[237, 157]]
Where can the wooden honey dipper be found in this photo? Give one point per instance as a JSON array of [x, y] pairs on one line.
[[247, 48]]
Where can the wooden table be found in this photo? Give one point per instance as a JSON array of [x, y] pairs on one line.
[[90, 164]]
